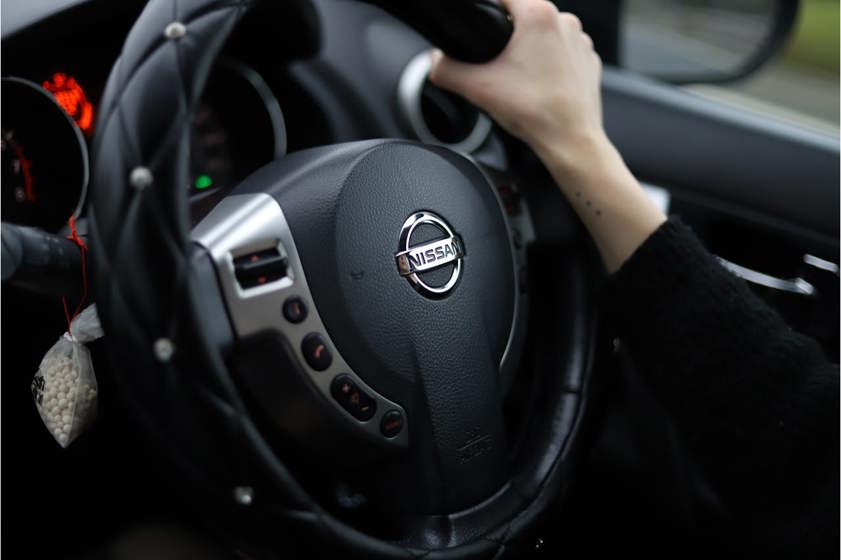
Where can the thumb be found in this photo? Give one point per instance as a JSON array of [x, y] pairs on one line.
[[451, 74]]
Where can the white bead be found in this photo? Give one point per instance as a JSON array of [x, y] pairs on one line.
[[244, 495], [62, 402], [140, 178], [175, 30], [164, 349]]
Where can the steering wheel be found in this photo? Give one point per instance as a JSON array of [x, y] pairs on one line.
[[363, 305]]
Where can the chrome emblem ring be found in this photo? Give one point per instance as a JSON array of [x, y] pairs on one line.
[[415, 260]]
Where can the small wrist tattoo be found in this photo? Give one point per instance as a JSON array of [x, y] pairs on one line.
[[588, 203]]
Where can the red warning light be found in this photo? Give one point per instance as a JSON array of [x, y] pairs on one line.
[[70, 95]]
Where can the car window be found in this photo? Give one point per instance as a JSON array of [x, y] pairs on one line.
[[801, 84]]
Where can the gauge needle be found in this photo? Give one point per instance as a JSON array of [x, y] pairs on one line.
[[25, 165]]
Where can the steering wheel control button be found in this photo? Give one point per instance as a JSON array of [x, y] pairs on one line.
[[352, 398], [391, 423], [417, 258], [294, 309], [261, 267], [316, 352]]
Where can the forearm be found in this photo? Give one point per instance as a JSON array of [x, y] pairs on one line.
[[756, 402], [610, 202]]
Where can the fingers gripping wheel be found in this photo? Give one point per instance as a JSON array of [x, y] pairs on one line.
[[414, 378]]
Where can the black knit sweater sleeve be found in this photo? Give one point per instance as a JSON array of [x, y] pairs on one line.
[[757, 403]]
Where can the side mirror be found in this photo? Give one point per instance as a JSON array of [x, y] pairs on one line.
[[686, 41]]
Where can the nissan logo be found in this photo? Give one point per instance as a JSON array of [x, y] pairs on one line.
[[415, 260]]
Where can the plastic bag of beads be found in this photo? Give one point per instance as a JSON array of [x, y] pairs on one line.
[[64, 388]]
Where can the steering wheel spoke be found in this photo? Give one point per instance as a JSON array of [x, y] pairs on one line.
[[265, 288]]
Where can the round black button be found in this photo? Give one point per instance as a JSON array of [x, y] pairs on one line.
[[294, 309], [391, 423], [316, 353]]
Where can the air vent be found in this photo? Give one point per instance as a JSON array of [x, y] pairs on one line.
[[437, 116]]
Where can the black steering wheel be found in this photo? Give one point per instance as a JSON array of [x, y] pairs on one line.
[[364, 305]]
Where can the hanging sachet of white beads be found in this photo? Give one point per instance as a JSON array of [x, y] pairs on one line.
[[64, 388]]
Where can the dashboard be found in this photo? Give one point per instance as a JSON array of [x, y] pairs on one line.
[[334, 71]]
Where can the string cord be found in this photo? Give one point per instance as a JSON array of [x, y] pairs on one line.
[[83, 249]]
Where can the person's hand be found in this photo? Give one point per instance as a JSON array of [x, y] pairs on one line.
[[543, 88]]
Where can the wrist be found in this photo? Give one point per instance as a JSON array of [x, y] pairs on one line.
[[576, 154], [585, 162]]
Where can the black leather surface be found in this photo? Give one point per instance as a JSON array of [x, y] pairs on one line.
[[470, 30], [146, 284]]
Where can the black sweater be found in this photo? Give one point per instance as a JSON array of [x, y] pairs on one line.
[[756, 402]]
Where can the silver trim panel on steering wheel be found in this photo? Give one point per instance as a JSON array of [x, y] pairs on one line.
[[248, 225]]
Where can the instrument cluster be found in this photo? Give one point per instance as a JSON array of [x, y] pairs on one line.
[[48, 128]]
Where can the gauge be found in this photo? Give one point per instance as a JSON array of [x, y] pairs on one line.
[[72, 98], [44, 158], [237, 128]]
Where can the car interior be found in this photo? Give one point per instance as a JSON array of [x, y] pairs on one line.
[[244, 176]]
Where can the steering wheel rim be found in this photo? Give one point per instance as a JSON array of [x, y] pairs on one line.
[[153, 300]]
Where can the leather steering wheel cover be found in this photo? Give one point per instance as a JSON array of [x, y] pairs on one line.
[[144, 273]]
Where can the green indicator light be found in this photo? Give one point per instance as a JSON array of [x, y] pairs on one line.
[[203, 182]]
